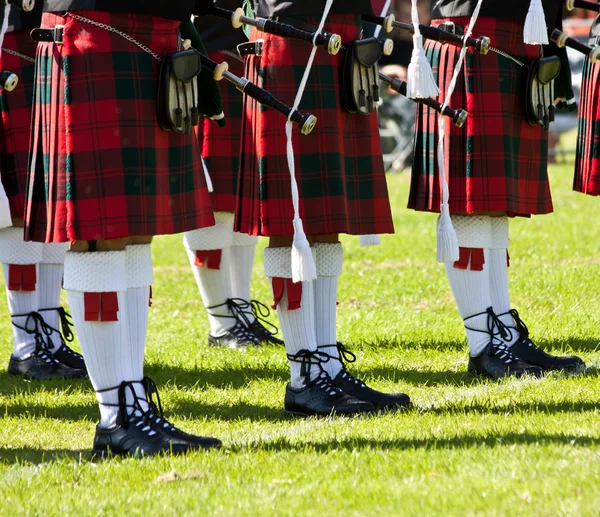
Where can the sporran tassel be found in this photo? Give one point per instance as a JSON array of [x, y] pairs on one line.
[[420, 82]]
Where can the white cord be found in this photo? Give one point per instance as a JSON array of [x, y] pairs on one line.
[[449, 92], [4, 25], [303, 266]]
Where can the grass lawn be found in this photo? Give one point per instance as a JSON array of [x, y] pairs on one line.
[[470, 447]]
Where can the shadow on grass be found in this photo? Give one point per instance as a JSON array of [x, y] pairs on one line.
[[467, 441], [37, 456]]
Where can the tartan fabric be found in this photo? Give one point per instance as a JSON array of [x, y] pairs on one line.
[[497, 161], [101, 168], [587, 161], [15, 122], [339, 167], [220, 146]]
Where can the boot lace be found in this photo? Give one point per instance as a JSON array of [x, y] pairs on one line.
[[313, 358], [345, 356], [155, 411], [36, 326], [241, 330], [496, 330], [133, 414]]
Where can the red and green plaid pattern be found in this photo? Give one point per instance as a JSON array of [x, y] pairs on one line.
[[101, 168], [339, 166], [220, 146], [15, 122], [587, 162], [496, 161]]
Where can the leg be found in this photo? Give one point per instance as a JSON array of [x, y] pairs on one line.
[[31, 356], [209, 254], [469, 279], [519, 342], [329, 259], [311, 390], [241, 261], [98, 283]]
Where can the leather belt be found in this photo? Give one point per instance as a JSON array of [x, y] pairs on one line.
[[452, 28], [253, 48], [54, 35]]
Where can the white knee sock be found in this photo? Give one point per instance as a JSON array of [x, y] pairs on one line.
[[471, 288], [296, 313], [21, 303], [208, 250], [21, 286], [94, 281], [499, 276], [139, 275], [240, 267], [49, 286], [329, 259]]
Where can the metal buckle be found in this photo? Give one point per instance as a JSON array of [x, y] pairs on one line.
[[58, 34], [258, 47], [448, 27]]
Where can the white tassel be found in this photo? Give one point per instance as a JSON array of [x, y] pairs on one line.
[[209, 183], [420, 82], [304, 268], [535, 32], [369, 240], [447, 241]]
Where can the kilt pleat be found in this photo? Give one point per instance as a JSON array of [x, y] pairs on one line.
[[496, 161], [101, 168], [339, 167], [587, 161], [220, 146], [15, 122]]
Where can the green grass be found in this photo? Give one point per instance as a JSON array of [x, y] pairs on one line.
[[471, 447]]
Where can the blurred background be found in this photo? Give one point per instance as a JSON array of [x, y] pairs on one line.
[[397, 113]]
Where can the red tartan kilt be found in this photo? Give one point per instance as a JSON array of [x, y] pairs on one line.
[[587, 162], [15, 122], [101, 166], [220, 146], [339, 166], [496, 161]]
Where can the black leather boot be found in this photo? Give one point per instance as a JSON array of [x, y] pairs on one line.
[[357, 388], [155, 412], [498, 361], [64, 353], [319, 396], [138, 432], [42, 364], [527, 351]]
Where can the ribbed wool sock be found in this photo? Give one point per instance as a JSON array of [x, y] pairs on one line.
[[215, 290], [470, 279], [296, 313], [21, 302], [139, 276], [20, 261], [240, 266], [499, 276], [96, 286], [329, 259]]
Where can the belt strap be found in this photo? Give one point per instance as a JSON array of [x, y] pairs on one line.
[[54, 35], [253, 48]]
